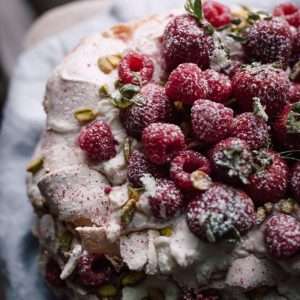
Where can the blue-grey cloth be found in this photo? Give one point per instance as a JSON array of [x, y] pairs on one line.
[[22, 124]]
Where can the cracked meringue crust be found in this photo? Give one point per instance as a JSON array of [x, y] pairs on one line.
[[69, 193]]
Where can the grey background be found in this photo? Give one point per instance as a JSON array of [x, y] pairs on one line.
[[22, 124]]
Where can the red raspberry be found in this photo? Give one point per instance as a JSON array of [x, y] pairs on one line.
[[289, 11], [211, 121], [252, 129], [282, 236], [268, 183], [295, 181], [216, 14], [220, 211], [154, 108], [295, 57], [219, 86], [187, 84], [136, 68], [162, 142], [185, 40], [97, 141], [294, 93], [286, 128], [184, 164], [138, 166], [167, 201], [269, 41], [199, 295], [265, 82], [52, 275], [232, 160], [94, 270]]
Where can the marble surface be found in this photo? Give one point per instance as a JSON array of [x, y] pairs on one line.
[[23, 121]]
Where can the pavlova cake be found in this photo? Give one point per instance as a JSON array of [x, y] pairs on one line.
[[169, 166]]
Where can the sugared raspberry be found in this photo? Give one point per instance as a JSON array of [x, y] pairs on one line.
[[232, 160], [199, 295], [295, 57], [286, 129], [288, 11], [185, 40], [138, 166], [265, 82], [220, 211], [97, 141], [184, 164], [187, 84], [282, 236], [153, 106], [216, 14], [269, 41], [252, 129], [94, 270], [136, 68], [295, 180], [162, 142], [52, 274], [219, 86], [211, 121], [294, 93], [167, 201], [269, 182]]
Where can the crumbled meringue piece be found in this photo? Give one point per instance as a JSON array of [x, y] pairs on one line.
[[72, 262]]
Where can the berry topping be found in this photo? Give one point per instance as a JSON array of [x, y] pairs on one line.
[[289, 11], [97, 141], [219, 86], [269, 41], [265, 82], [162, 142], [232, 160], [186, 84], [295, 181], [216, 14], [219, 212], [153, 106], [167, 201], [136, 68], [287, 127], [94, 270], [185, 40], [282, 236], [295, 57], [52, 275], [294, 93], [184, 164], [252, 129], [138, 166], [211, 121], [199, 295], [269, 182]]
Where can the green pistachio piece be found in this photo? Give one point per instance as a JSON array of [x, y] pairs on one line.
[[127, 148], [167, 231], [132, 278], [84, 115], [114, 60], [134, 193], [105, 65], [261, 215], [128, 211], [107, 290], [104, 91], [201, 181], [287, 206], [35, 165]]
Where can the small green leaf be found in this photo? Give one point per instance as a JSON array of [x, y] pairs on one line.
[[194, 8]]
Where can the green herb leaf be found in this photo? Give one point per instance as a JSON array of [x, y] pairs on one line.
[[194, 8]]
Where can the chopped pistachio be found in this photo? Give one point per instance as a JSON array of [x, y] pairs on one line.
[[260, 215], [114, 60], [132, 278], [167, 231], [104, 90], [35, 165], [128, 210], [201, 181], [65, 240], [268, 207], [127, 148], [107, 290], [84, 115], [134, 193], [178, 105], [287, 206], [104, 65]]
